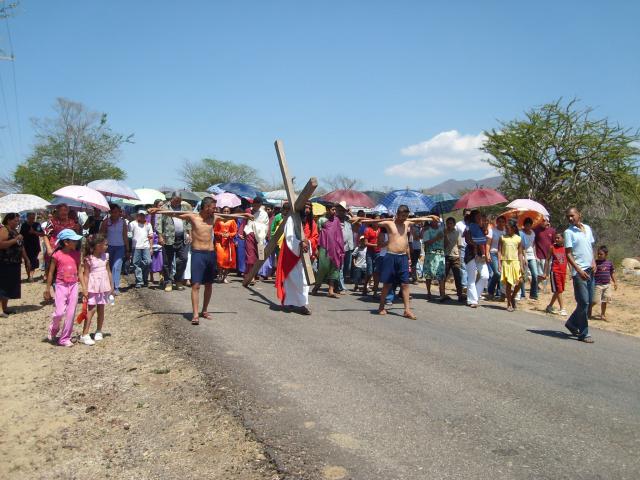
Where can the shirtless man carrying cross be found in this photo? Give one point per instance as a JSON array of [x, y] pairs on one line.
[[395, 264], [203, 253]]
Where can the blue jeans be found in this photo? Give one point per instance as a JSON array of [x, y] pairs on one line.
[[346, 268], [583, 291], [533, 269], [494, 281], [116, 256], [463, 270], [142, 262]]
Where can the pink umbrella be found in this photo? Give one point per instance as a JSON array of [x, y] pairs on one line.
[[523, 204], [227, 199], [351, 197], [85, 195], [480, 197]]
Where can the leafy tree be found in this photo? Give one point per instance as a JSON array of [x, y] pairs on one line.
[[559, 155], [342, 182], [74, 148], [209, 171]]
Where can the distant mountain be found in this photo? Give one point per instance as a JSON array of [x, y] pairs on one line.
[[456, 186]]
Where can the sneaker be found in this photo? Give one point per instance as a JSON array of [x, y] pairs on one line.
[[550, 309], [138, 285], [98, 336], [562, 312], [168, 287], [116, 292], [68, 343], [388, 302], [86, 339]]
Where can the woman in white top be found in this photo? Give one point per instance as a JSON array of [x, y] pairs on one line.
[[115, 229], [529, 244], [495, 234]]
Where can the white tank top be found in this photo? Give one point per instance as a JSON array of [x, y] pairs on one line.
[[114, 233]]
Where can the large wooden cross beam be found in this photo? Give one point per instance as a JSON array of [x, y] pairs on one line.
[[297, 203]]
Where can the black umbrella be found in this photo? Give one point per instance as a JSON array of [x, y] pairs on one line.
[[185, 195]]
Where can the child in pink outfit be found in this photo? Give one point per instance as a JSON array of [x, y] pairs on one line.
[[96, 285], [64, 263]]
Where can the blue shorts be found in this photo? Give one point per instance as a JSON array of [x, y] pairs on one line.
[[394, 268], [204, 266]]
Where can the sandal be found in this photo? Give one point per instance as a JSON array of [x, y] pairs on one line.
[[572, 329], [409, 315], [509, 308], [195, 321], [332, 295], [587, 339], [206, 315], [382, 312]]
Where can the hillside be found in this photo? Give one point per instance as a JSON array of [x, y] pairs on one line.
[[455, 186]]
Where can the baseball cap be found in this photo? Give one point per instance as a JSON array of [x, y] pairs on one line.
[[68, 234], [142, 212]]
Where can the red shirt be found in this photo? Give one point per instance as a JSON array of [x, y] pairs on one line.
[[371, 236], [544, 241], [558, 260]]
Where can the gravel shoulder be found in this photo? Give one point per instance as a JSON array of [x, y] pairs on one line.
[[132, 406]]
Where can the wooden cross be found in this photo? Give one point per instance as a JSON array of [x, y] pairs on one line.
[[296, 203]]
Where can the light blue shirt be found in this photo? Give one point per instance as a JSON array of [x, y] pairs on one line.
[[581, 245]]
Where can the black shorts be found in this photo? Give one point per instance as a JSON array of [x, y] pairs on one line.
[[204, 266]]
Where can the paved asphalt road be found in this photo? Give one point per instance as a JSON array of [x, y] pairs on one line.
[[457, 394]]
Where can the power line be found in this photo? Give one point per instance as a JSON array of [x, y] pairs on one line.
[[15, 86]]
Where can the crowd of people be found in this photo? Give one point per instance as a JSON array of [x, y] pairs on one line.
[[84, 257]]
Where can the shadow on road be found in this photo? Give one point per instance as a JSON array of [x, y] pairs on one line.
[[551, 333]]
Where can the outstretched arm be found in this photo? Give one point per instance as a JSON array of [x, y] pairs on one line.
[[428, 218], [172, 213]]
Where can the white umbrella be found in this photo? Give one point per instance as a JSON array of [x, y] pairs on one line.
[[21, 202], [113, 188], [528, 204], [85, 195], [147, 196], [276, 195]]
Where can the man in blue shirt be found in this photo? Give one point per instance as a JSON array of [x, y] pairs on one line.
[[578, 242]]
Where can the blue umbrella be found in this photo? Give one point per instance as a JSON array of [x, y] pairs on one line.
[[215, 189], [239, 189], [416, 201], [444, 202]]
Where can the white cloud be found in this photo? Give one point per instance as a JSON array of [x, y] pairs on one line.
[[446, 153]]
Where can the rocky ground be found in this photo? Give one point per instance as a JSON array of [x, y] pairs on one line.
[[129, 407]]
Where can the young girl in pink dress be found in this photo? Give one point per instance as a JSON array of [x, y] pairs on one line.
[[96, 285]]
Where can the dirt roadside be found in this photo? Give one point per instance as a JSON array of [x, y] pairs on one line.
[[129, 407]]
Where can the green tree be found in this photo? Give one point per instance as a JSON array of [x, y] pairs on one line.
[[559, 155], [74, 148], [201, 175]]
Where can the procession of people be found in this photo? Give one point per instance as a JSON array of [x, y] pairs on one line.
[[489, 258]]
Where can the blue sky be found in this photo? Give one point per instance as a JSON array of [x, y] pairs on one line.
[[395, 93]]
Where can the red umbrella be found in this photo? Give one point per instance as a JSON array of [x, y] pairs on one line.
[[480, 197], [351, 197]]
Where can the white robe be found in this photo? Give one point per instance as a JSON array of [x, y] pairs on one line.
[[295, 285]]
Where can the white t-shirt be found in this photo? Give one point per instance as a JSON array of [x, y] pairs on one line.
[[140, 235], [528, 243], [495, 235], [461, 227], [359, 256]]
